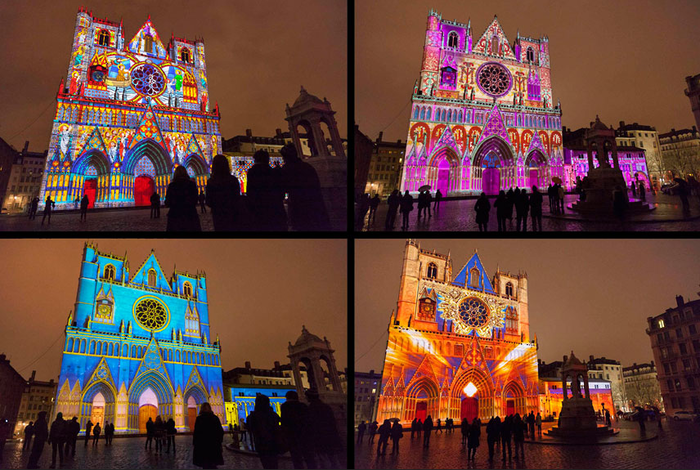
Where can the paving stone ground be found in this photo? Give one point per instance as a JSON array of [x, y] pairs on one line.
[[677, 447], [459, 216], [126, 453]]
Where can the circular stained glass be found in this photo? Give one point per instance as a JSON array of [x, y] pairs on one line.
[[98, 76], [473, 312], [494, 79], [147, 80], [151, 314]]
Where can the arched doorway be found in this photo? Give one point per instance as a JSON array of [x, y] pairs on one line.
[[198, 170], [421, 400], [98, 403], [307, 131], [422, 410], [514, 399], [90, 190], [92, 176], [191, 413], [161, 398], [536, 163], [193, 398], [98, 410], [144, 187], [444, 171], [151, 161], [491, 175], [494, 167], [148, 408]]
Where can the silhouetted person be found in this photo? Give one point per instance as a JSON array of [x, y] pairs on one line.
[[414, 425], [538, 422], [207, 439], [642, 191], [493, 434], [608, 421], [519, 431], [202, 202], [406, 208], [159, 433], [28, 433], [170, 432], [396, 436], [34, 207], [47, 209], [439, 427], [506, 436], [150, 432], [297, 432], [373, 205], [224, 196], [361, 428], [550, 195], [536, 209], [372, 431], [88, 431], [326, 437], [41, 434], [265, 427], [438, 198], [265, 195], [502, 205], [465, 431], [522, 206], [482, 208], [634, 189], [619, 203], [427, 429], [307, 211], [96, 431], [473, 439], [683, 192], [384, 434], [394, 201], [510, 196], [419, 427], [181, 198], [155, 205], [57, 439], [109, 433], [84, 203], [73, 431], [562, 194]]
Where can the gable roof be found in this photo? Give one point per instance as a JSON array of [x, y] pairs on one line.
[[141, 276], [463, 277], [482, 45]]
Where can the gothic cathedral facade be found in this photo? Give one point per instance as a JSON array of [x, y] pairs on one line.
[[138, 346], [127, 115], [482, 117], [459, 346]]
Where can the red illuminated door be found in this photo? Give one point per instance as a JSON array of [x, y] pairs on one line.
[[534, 172], [144, 187], [510, 407], [491, 181], [470, 408], [421, 411], [191, 417], [90, 188]]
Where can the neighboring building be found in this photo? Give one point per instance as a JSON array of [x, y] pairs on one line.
[[385, 167], [11, 389], [241, 148], [8, 155], [631, 160], [483, 117], [38, 396], [459, 346], [646, 138], [367, 391], [138, 345], [25, 180], [642, 386], [610, 370], [127, 115], [364, 148], [680, 151], [693, 94], [675, 341]]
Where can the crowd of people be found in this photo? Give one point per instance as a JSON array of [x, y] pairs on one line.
[[501, 435]]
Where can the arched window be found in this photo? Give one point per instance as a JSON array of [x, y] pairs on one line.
[[191, 322], [111, 349], [416, 113], [170, 355], [185, 55], [428, 115], [474, 278], [422, 113], [187, 289], [92, 347], [133, 351], [82, 346], [152, 277], [104, 38], [494, 44], [530, 55], [148, 43], [110, 272], [509, 289], [432, 271], [453, 40], [177, 356], [69, 348], [125, 351]]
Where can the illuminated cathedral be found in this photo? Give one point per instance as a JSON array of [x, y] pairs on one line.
[[138, 346], [127, 115], [459, 345], [482, 117]]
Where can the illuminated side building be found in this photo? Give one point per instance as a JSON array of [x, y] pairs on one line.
[[483, 117], [138, 346], [127, 115], [459, 346]]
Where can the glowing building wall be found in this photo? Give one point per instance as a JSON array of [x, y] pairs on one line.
[[123, 103], [551, 396], [138, 345], [459, 346], [482, 116]]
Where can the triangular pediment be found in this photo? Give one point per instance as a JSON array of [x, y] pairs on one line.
[[148, 129], [494, 126], [484, 44], [425, 369], [101, 374], [464, 276], [447, 139], [95, 142], [141, 276], [152, 361], [195, 380], [140, 42], [193, 147], [536, 144]]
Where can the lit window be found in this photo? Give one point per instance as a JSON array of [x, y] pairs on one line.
[[104, 38], [186, 55], [187, 289], [152, 277], [432, 271], [661, 323], [110, 272]]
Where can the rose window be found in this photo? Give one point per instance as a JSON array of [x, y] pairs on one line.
[[147, 80], [151, 314], [474, 313], [494, 79]]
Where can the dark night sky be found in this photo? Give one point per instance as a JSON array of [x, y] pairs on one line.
[[260, 294], [258, 55], [592, 296], [625, 60]]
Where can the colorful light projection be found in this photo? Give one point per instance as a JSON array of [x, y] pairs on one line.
[[551, 396], [129, 338], [632, 160], [123, 103], [483, 96], [458, 345]]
